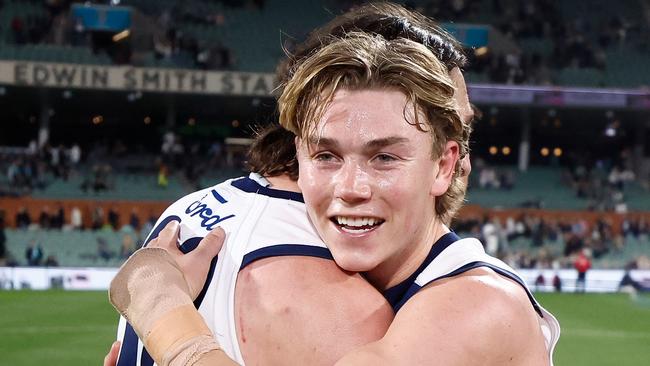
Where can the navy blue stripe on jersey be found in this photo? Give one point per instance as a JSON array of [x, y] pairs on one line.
[[130, 341], [395, 294], [469, 266], [249, 185], [218, 196], [129, 351], [129, 348], [156, 231], [199, 299], [146, 359], [286, 250], [188, 246]]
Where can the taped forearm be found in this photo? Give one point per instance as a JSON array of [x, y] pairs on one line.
[[150, 291]]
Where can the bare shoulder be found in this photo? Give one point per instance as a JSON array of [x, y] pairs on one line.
[[478, 317], [305, 310]]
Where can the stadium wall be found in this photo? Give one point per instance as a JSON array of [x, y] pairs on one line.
[[89, 278], [147, 209]]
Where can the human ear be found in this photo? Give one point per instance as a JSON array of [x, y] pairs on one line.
[[446, 169]]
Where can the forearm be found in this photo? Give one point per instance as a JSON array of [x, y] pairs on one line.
[[151, 293]]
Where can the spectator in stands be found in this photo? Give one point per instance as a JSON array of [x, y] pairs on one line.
[[3, 241], [97, 218], [134, 219], [540, 282], [74, 154], [163, 181], [128, 246], [45, 218], [113, 218], [103, 251], [23, 220], [34, 253], [18, 30], [582, 264], [490, 236], [101, 175], [488, 178], [572, 243], [76, 219], [51, 261], [58, 219], [557, 282]]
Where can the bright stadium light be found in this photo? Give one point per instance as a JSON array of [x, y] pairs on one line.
[[544, 151]]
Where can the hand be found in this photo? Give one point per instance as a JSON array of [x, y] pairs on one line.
[[195, 264], [111, 357]]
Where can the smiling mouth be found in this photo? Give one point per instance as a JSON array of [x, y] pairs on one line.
[[356, 225]]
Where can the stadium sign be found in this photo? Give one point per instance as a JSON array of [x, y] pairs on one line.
[[163, 80], [56, 75], [88, 278]]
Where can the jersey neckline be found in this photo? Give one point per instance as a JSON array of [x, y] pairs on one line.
[[395, 294], [250, 185]]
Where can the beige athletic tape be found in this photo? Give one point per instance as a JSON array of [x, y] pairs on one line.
[[150, 291], [148, 286], [171, 333]]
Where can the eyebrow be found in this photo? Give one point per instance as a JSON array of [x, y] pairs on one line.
[[372, 144]]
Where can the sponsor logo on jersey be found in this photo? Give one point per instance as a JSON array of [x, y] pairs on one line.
[[209, 219]]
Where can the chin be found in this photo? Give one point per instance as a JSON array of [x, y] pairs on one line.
[[354, 263]]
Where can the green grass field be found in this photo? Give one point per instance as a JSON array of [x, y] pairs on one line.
[[76, 328]]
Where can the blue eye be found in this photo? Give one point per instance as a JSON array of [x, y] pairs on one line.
[[324, 157], [385, 157]]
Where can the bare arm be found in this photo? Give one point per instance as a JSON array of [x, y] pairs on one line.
[[305, 311], [298, 310], [154, 290], [475, 318]]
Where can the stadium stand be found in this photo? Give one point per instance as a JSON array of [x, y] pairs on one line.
[[540, 214], [560, 43]]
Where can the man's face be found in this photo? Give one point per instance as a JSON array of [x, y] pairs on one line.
[[369, 182]]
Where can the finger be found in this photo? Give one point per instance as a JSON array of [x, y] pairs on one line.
[[168, 237], [111, 358], [210, 246]]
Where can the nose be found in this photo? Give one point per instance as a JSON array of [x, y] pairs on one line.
[[353, 184]]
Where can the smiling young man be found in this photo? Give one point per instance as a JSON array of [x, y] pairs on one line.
[[379, 140], [379, 172]]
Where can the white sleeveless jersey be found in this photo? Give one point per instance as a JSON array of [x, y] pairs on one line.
[[451, 256], [259, 222]]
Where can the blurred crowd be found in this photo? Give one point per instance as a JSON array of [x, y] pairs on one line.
[[529, 241], [575, 42], [602, 183], [107, 227], [578, 41], [31, 169]]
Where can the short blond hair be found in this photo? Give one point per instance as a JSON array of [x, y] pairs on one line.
[[362, 61]]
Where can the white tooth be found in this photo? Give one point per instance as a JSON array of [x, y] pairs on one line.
[[371, 221], [358, 221], [341, 220], [364, 222]]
